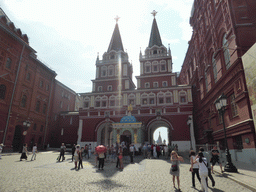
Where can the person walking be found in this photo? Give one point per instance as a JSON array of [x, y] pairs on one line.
[[76, 158], [215, 158], [1, 148], [62, 152], [175, 170], [158, 151], [154, 151], [73, 151], [80, 158], [131, 153], [24, 152], [207, 156], [203, 170], [120, 150], [113, 153], [121, 160], [96, 157], [89, 150], [194, 167], [34, 151], [145, 151], [101, 160]]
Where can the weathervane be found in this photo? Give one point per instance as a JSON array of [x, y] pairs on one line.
[[154, 13], [117, 18]]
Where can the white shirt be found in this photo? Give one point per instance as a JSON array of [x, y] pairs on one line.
[[202, 166], [165, 149], [34, 149], [131, 149], [195, 165]]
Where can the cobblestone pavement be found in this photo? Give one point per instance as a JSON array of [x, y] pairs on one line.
[[45, 174]]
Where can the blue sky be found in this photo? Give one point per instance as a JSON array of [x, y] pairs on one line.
[[68, 34]]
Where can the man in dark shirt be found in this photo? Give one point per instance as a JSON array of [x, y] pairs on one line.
[[215, 158]]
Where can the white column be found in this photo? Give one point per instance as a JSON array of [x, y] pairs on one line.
[[80, 131], [192, 135]]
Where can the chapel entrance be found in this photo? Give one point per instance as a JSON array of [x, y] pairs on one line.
[[126, 137]]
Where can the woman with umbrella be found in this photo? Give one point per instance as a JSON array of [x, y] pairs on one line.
[[101, 150]]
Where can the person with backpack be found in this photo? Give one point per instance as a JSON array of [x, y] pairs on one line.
[[62, 152]]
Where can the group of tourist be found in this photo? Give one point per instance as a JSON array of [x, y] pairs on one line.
[[200, 166], [155, 151]]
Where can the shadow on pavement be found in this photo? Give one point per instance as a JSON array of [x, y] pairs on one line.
[[109, 184]]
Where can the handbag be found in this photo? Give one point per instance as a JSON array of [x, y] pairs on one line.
[[174, 168], [190, 169]]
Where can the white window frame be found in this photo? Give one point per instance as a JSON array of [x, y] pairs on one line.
[[166, 95], [152, 96], [111, 67], [112, 98], [155, 63], [163, 83], [163, 63], [155, 84], [143, 97], [104, 98], [97, 99], [100, 89], [131, 97], [147, 64], [181, 94], [104, 68], [86, 99], [147, 85], [160, 95], [110, 88]]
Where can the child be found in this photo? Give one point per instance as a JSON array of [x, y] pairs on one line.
[[121, 160]]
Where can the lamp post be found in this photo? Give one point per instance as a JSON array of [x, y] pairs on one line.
[[221, 104]]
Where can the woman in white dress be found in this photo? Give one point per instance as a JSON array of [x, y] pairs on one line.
[[203, 170]]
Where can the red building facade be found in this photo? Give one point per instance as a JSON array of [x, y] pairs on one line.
[[222, 32], [26, 87], [158, 101]]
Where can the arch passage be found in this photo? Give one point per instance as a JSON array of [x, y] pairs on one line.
[[155, 124]]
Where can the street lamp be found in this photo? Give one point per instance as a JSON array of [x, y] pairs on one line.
[[221, 104]]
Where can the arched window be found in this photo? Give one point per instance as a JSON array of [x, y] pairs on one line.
[[226, 51], [38, 106], [8, 63], [152, 99], [147, 67], [104, 101], [160, 98], [214, 68], [162, 66], [144, 99], [86, 102], [168, 97], [23, 101], [110, 70], [97, 101], [112, 101], [131, 99], [155, 66], [183, 97], [2, 91], [104, 71]]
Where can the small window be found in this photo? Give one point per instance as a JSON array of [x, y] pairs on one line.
[[47, 87], [112, 57], [97, 104], [155, 84], [152, 101], [155, 52], [38, 106], [28, 76], [182, 99], [100, 88], [104, 104], [2, 91], [71, 121], [41, 84], [112, 103], [42, 128], [168, 100], [110, 88], [23, 101], [86, 104], [233, 106], [161, 100], [34, 127], [147, 85], [164, 83], [147, 69], [163, 67], [61, 104], [8, 64], [44, 108], [144, 101]]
